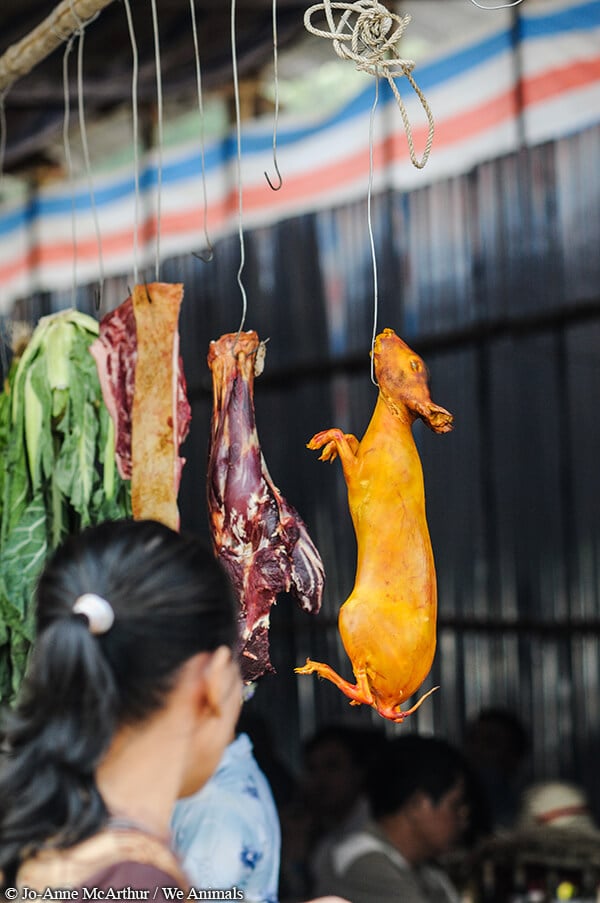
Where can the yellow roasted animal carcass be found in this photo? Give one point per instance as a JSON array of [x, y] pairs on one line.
[[388, 623]]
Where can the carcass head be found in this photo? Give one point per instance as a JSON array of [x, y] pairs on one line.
[[403, 382]]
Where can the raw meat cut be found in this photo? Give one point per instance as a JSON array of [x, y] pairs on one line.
[[144, 389], [259, 538]]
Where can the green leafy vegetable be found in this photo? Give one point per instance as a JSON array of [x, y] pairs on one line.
[[59, 476]]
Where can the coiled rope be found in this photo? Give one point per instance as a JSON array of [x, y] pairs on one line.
[[368, 34]]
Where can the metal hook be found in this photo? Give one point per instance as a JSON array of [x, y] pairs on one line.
[[274, 187], [276, 116], [205, 257]]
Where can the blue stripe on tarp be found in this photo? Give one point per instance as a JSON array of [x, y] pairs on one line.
[[584, 17]]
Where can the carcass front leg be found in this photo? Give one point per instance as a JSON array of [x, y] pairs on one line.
[[358, 693], [333, 443]]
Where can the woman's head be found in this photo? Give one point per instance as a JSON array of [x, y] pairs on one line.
[[169, 597], [170, 602]]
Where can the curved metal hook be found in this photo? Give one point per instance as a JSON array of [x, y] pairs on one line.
[[276, 116], [271, 186], [206, 256]]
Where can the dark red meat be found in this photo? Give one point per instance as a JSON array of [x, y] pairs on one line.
[[259, 538]]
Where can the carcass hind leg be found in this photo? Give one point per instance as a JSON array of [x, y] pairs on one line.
[[395, 713], [358, 693]]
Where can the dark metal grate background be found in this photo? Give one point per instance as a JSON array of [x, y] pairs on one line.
[[495, 278]]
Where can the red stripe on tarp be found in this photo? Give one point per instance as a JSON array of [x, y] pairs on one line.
[[537, 89]]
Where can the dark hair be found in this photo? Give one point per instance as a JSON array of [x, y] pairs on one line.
[[361, 743], [171, 600], [506, 724], [410, 764]]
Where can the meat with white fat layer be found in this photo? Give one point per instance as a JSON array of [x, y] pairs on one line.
[[138, 342]]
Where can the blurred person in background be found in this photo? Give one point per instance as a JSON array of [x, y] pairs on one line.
[[331, 802], [497, 745], [227, 834], [418, 794]]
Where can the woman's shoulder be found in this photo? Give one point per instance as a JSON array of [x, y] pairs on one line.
[[107, 855]]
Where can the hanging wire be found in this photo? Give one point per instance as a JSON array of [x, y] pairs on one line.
[[3, 344], [208, 256], [276, 115], [69, 162], [2, 133], [236, 94], [136, 153], [159, 101], [370, 225], [501, 6], [88, 168]]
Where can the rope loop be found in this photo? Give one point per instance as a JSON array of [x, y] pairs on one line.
[[368, 34]]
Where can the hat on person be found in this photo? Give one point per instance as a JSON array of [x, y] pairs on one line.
[[556, 804]]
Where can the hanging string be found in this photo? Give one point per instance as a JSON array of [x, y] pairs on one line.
[[238, 122], [88, 168], [371, 237], [159, 101], [4, 343], [2, 133], [69, 162], [372, 46], [208, 256], [501, 6], [276, 115], [136, 153]]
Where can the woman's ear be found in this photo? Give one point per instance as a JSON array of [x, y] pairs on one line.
[[213, 710], [220, 679]]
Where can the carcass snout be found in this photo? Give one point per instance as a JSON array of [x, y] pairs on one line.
[[404, 381], [438, 419]]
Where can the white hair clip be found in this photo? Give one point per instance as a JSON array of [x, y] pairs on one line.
[[98, 611]]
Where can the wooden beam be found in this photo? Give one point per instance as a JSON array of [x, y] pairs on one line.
[[53, 31]]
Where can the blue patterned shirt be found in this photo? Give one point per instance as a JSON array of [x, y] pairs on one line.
[[228, 834]]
